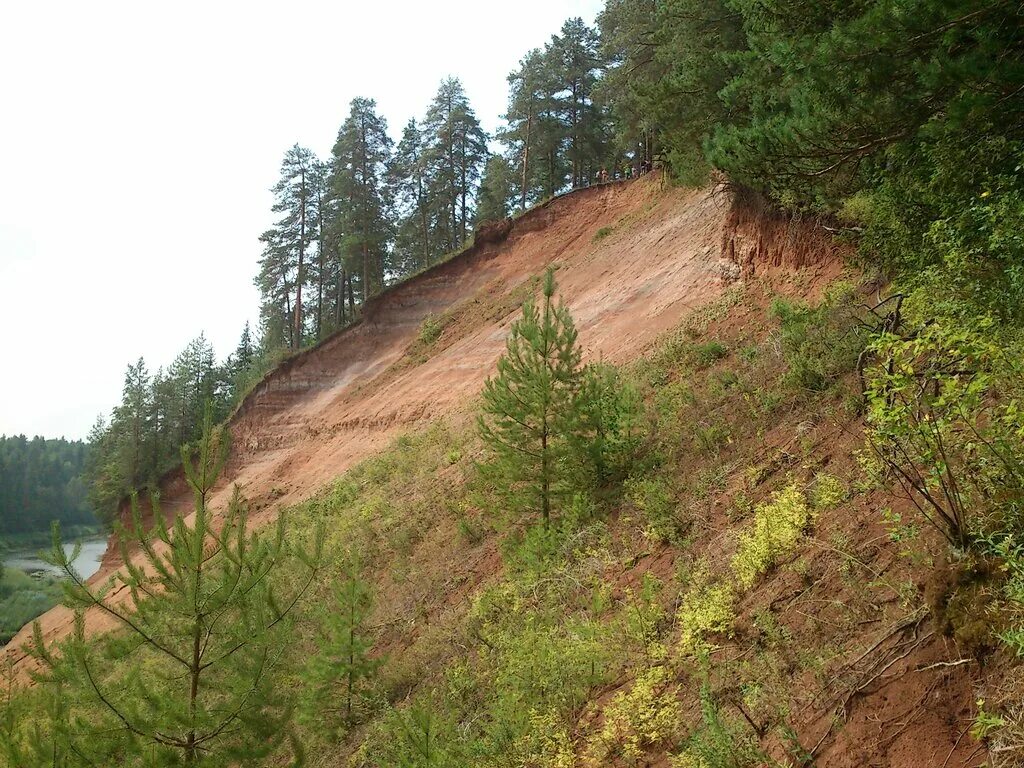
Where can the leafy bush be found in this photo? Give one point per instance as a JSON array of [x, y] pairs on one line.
[[777, 528], [820, 344], [718, 743], [706, 608], [646, 716], [944, 416], [651, 495], [827, 492]]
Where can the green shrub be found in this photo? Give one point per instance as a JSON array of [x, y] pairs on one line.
[[430, 329], [820, 344], [827, 492], [602, 233], [651, 495], [944, 421]]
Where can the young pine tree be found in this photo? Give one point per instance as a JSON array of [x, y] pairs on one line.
[[343, 663], [188, 678], [531, 410]]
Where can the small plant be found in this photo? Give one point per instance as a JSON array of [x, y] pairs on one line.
[[985, 722], [430, 329], [707, 353], [710, 436], [899, 531], [470, 530], [718, 743], [602, 233], [644, 617]]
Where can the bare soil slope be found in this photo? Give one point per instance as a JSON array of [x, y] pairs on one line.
[[633, 259]]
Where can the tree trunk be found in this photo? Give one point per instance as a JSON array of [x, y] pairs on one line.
[[320, 270], [297, 335], [526, 156]]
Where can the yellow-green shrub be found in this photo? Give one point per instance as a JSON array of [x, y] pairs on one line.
[[546, 744], [646, 716], [777, 527], [827, 492], [706, 608]]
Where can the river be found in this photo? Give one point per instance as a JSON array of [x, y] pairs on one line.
[[87, 562]]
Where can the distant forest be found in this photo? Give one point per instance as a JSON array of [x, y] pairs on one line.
[[40, 481]]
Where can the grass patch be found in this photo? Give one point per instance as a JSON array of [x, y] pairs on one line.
[[24, 598]]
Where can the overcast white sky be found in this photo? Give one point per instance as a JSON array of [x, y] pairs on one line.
[[138, 142]]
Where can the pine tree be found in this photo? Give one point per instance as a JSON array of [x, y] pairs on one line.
[[295, 199], [343, 661], [497, 190], [198, 643], [360, 195], [576, 63], [413, 249], [530, 409], [275, 282], [528, 124], [132, 424], [456, 152], [631, 69]]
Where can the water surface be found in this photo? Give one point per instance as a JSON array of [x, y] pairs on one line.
[[87, 562]]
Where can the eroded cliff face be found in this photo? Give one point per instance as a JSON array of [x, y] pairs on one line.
[[758, 238], [632, 260]]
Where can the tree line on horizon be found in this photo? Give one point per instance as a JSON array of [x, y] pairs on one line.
[[41, 480], [377, 211]]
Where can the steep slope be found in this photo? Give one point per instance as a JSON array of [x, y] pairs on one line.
[[633, 259]]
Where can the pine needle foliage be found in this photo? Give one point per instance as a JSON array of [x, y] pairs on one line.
[[335, 676], [531, 408], [188, 677]]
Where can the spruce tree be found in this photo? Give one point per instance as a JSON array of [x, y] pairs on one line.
[[530, 409], [189, 677]]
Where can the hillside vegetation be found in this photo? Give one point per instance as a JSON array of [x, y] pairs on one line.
[[655, 480]]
